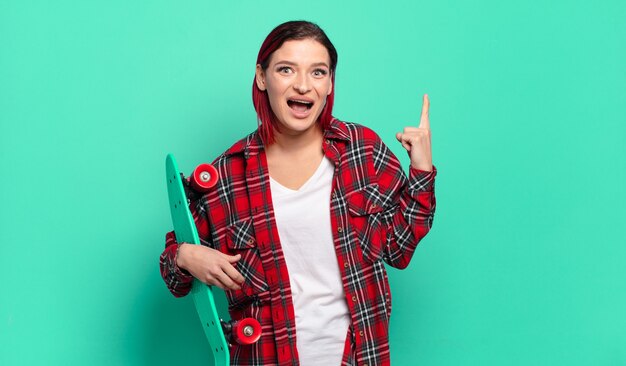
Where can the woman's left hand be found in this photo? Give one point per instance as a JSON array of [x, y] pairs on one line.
[[416, 140]]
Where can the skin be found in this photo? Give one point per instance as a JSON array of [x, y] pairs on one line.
[[210, 266], [416, 140], [299, 69]]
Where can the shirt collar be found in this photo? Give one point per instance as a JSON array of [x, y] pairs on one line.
[[337, 130]]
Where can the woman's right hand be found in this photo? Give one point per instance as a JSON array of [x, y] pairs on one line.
[[210, 266]]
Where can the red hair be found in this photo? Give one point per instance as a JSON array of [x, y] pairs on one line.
[[294, 30]]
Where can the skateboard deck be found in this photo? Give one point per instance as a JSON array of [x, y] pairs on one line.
[[202, 294]]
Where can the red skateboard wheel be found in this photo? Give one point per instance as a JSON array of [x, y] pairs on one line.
[[204, 177], [246, 331]]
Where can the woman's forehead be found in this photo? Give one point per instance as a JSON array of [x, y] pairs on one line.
[[301, 51]]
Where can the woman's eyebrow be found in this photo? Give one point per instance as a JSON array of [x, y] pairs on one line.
[[291, 63], [321, 64]]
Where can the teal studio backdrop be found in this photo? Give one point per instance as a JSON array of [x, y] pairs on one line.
[[525, 264]]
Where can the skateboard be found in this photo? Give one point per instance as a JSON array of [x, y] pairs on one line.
[[218, 332]]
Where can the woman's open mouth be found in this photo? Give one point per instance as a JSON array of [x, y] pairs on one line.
[[299, 105]]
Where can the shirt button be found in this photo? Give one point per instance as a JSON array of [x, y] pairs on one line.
[[361, 333], [354, 298], [251, 241], [373, 205], [334, 195], [327, 142], [340, 229], [346, 265]]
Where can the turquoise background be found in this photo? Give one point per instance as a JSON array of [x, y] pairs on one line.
[[525, 262]]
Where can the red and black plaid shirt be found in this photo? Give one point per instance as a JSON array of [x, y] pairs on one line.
[[377, 214]]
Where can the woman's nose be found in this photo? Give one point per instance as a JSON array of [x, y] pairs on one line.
[[302, 84]]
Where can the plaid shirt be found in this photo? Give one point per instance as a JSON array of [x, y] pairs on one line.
[[377, 214]]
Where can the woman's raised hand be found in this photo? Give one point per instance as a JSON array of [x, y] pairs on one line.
[[416, 140]]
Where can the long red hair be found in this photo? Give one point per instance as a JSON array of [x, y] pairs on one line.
[[293, 30]]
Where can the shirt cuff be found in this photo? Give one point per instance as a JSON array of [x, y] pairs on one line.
[[421, 180], [180, 272]]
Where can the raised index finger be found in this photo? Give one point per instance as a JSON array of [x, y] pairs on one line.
[[424, 121]]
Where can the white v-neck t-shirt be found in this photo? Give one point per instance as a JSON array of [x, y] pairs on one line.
[[304, 226]]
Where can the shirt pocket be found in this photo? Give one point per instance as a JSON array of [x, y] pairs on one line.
[[240, 239], [366, 217]]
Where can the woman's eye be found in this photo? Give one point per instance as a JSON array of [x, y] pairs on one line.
[[285, 70], [320, 72]]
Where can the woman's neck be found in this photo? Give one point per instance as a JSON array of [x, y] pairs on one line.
[[297, 144], [292, 160]]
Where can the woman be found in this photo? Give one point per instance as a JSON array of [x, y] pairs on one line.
[[306, 211]]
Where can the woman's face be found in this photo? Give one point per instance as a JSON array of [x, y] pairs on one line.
[[297, 81]]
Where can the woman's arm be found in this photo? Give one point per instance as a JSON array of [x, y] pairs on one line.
[[411, 217]]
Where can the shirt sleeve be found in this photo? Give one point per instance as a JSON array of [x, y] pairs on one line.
[[410, 205], [178, 280]]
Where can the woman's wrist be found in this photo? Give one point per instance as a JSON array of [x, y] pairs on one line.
[[181, 256]]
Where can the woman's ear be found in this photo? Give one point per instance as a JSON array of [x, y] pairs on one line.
[[260, 78]]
